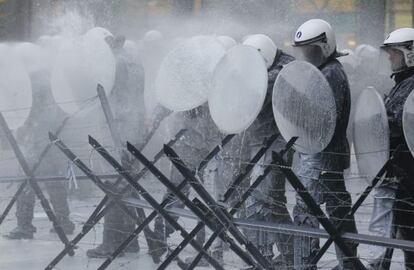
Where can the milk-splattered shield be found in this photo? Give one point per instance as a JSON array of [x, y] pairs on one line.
[[15, 89], [371, 133], [304, 106], [238, 90], [184, 78], [81, 65], [408, 122]]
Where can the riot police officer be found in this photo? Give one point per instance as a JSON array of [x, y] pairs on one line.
[[322, 173], [393, 201]]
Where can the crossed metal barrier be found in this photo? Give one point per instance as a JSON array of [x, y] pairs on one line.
[[211, 213], [30, 173]]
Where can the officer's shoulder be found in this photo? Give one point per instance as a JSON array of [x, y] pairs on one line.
[[332, 63], [332, 68], [284, 58], [406, 87], [409, 80]]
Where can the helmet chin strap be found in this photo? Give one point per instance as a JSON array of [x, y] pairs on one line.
[[334, 55], [401, 69]]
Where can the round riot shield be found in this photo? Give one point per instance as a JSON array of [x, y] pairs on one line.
[[32, 56], [304, 107], [408, 122], [81, 65], [238, 90], [15, 89], [184, 77], [370, 133]]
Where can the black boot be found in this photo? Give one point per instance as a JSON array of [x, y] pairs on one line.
[[24, 214], [21, 232], [128, 228], [113, 234], [102, 251], [67, 226]]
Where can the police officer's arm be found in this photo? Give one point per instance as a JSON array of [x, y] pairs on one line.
[[339, 87], [395, 116]]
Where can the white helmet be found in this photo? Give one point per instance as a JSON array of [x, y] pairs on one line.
[[318, 33], [401, 40], [365, 51], [152, 35], [99, 32], [264, 45], [227, 42], [370, 59]]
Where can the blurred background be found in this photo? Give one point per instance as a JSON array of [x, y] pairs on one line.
[[356, 21]]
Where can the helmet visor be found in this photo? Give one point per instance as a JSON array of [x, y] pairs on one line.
[[395, 58], [310, 53]]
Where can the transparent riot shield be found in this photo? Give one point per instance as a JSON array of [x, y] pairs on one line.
[[370, 133], [81, 65], [304, 107], [15, 89], [184, 77], [238, 90], [408, 121]]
